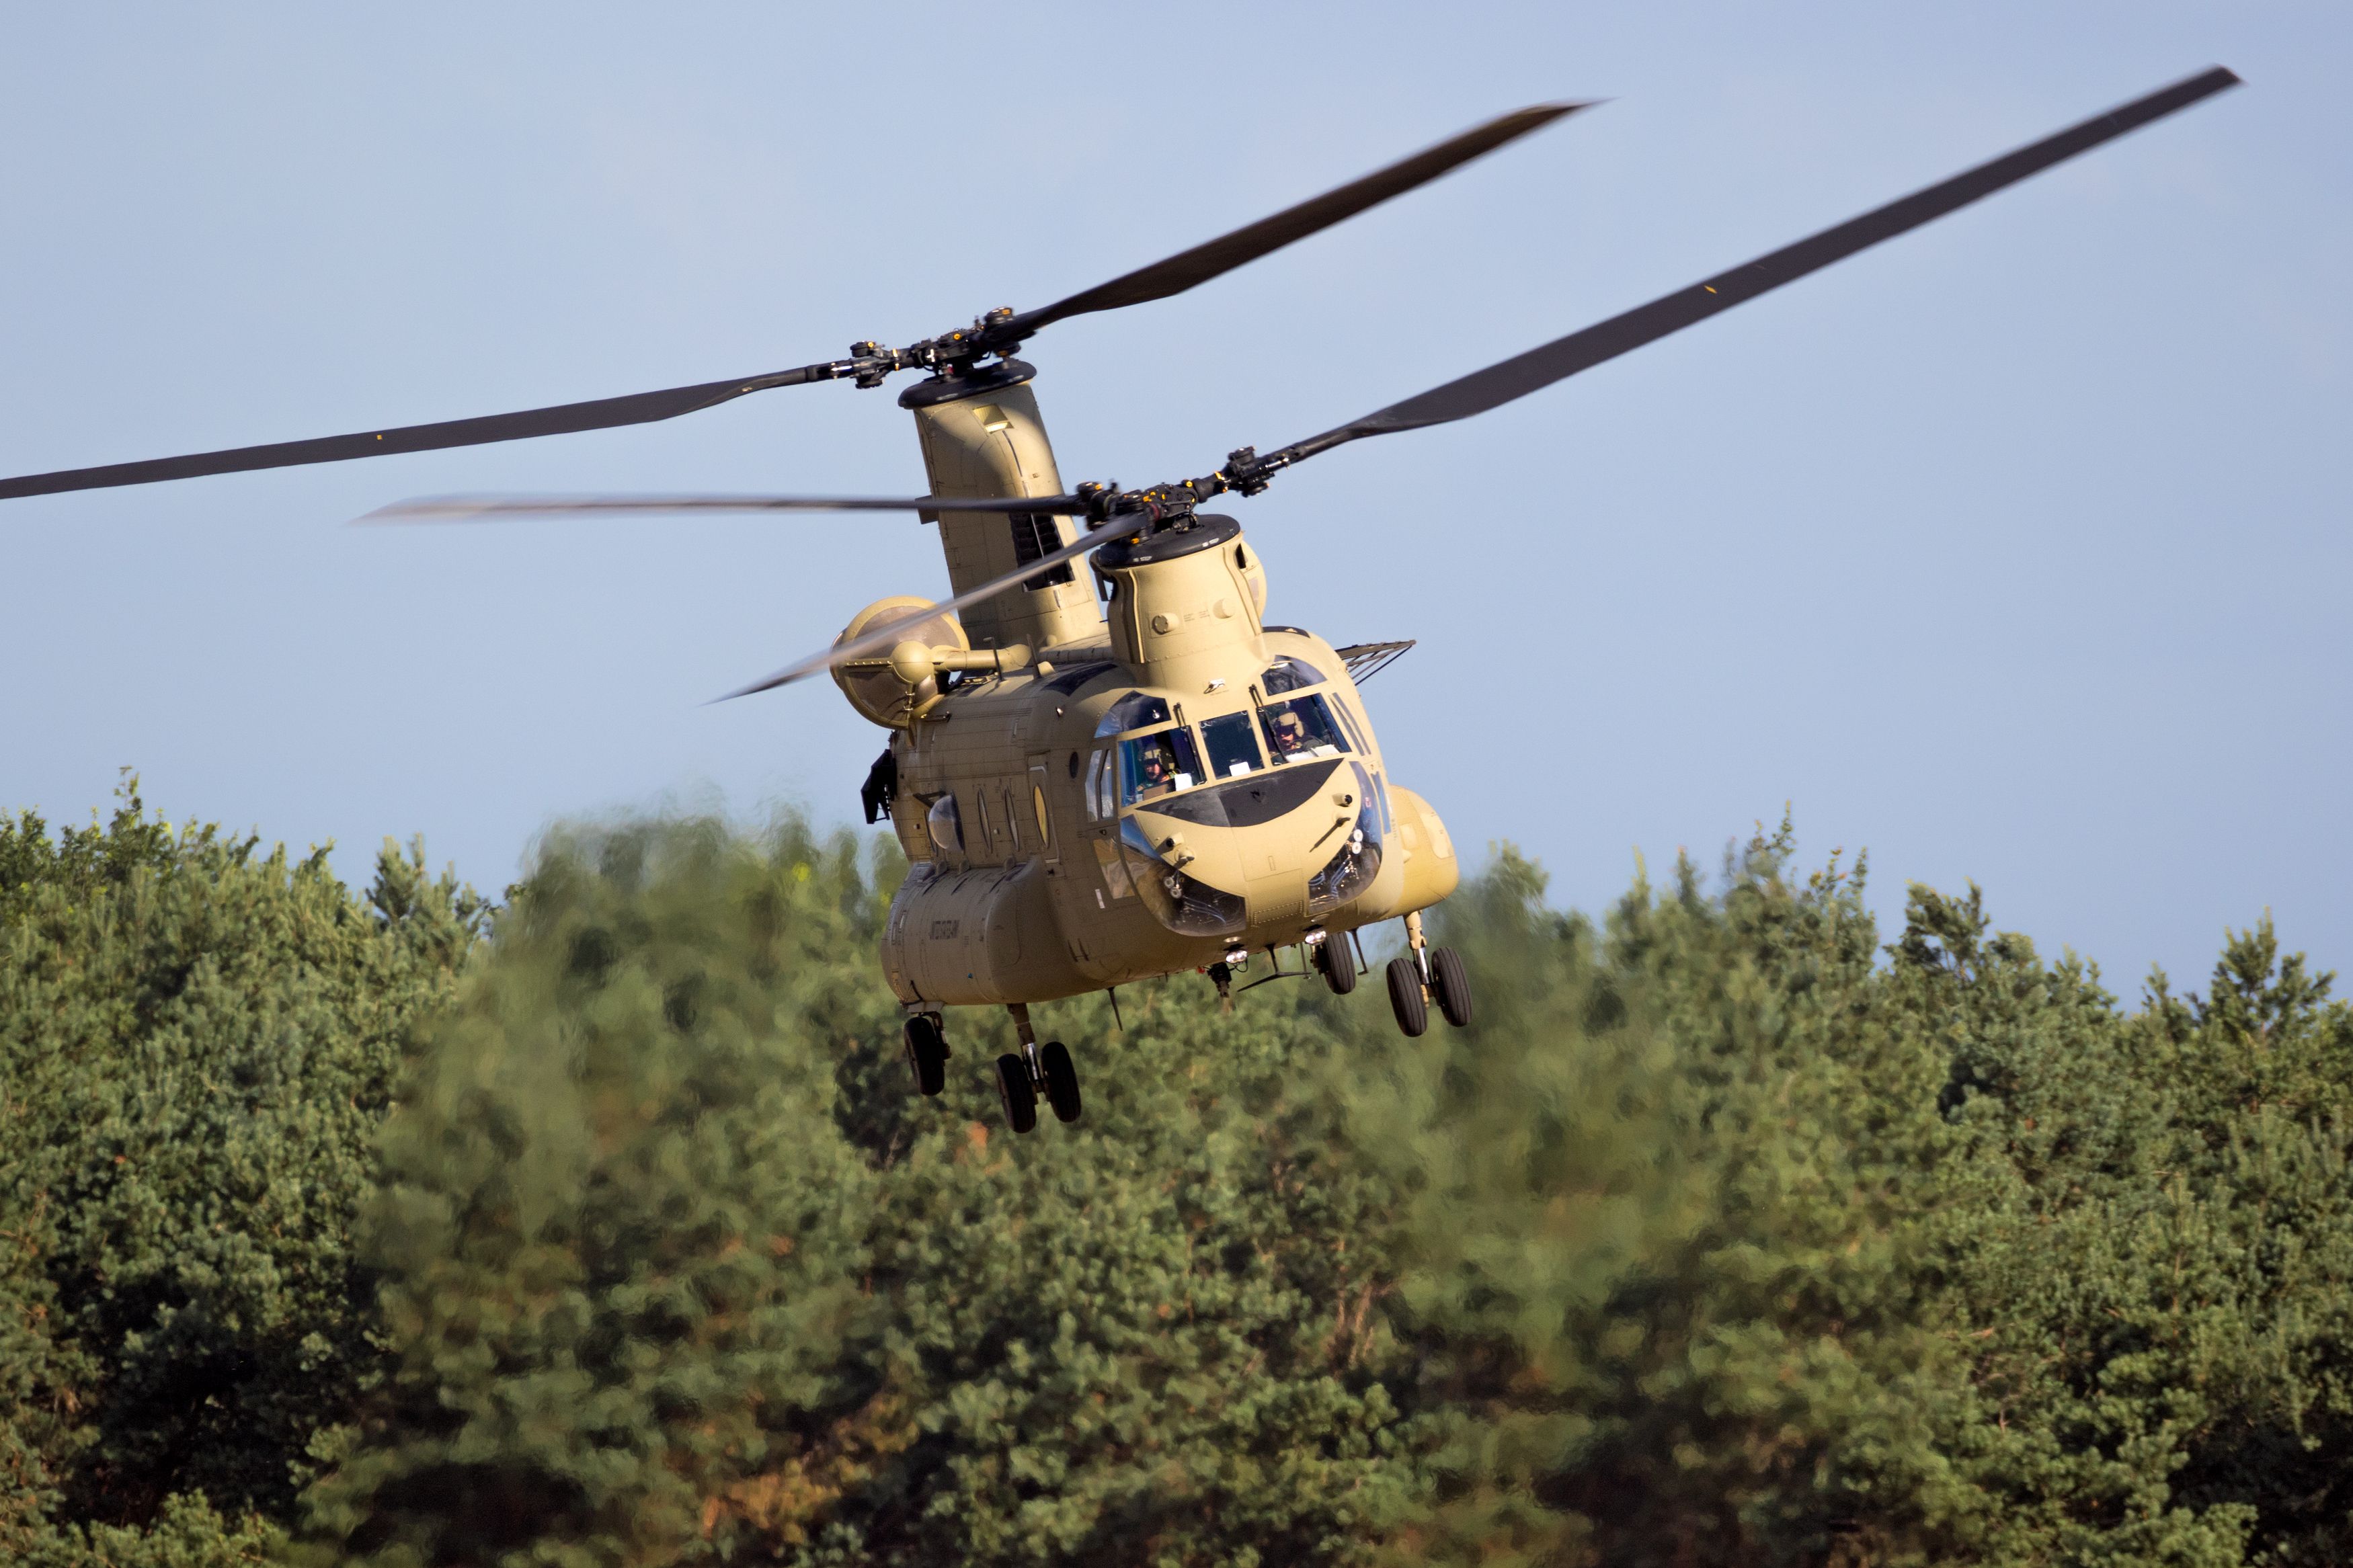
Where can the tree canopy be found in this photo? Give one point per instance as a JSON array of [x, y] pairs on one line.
[[601, 1228]]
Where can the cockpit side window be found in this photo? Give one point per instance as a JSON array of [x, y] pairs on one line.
[[1132, 711], [1354, 731], [1289, 674], [1153, 765], [1300, 728], [1233, 751]]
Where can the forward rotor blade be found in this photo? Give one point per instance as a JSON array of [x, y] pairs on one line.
[[1203, 262], [878, 638], [604, 413], [1522, 374], [474, 509]]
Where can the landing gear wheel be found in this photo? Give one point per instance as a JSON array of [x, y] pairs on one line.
[[927, 1053], [1014, 1088], [1336, 965], [1405, 999], [1061, 1081], [1451, 984]]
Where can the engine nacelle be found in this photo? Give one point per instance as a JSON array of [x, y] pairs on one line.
[[878, 694]]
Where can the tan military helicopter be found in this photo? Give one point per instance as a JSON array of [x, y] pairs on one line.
[[1102, 781]]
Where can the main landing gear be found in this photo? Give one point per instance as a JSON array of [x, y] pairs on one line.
[[1022, 1077], [1425, 975], [926, 1042]]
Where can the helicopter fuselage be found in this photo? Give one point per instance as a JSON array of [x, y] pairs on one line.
[[1100, 783]]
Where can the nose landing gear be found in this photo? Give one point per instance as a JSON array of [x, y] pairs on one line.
[[1334, 962], [1425, 975], [1449, 986]]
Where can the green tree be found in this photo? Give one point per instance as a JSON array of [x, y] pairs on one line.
[[676, 1266], [1737, 1240], [196, 1043], [1729, 1235], [1661, 1265], [620, 1230], [1151, 1336]]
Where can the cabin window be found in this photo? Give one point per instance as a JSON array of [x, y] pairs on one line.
[[1012, 822], [1153, 765], [1300, 728], [1045, 826], [1094, 787], [945, 828], [1289, 674], [1132, 711], [980, 801], [1233, 749]]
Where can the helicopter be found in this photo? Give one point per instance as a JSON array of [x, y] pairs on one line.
[[1134, 775]]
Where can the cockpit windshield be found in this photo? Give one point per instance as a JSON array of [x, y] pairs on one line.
[[1300, 728], [1132, 711], [1233, 751], [1153, 765], [1289, 674]]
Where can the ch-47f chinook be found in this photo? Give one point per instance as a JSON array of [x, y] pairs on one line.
[[1135, 774]]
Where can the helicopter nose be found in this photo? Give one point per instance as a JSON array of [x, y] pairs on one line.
[[1279, 855], [1286, 844]]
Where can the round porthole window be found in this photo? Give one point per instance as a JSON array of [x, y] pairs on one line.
[[945, 828]]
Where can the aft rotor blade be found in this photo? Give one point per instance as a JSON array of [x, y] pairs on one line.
[[475, 508], [1517, 377], [603, 413], [878, 638], [1203, 262]]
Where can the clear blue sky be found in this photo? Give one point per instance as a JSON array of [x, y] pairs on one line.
[[2017, 550]]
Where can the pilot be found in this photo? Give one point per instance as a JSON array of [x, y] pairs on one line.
[[1290, 734], [1153, 767]]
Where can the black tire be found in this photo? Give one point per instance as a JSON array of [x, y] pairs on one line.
[[1061, 1080], [1337, 963], [1405, 999], [1014, 1090], [928, 1054], [1451, 984]]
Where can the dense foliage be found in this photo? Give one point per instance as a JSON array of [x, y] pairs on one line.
[[1731, 1233], [199, 1045]]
